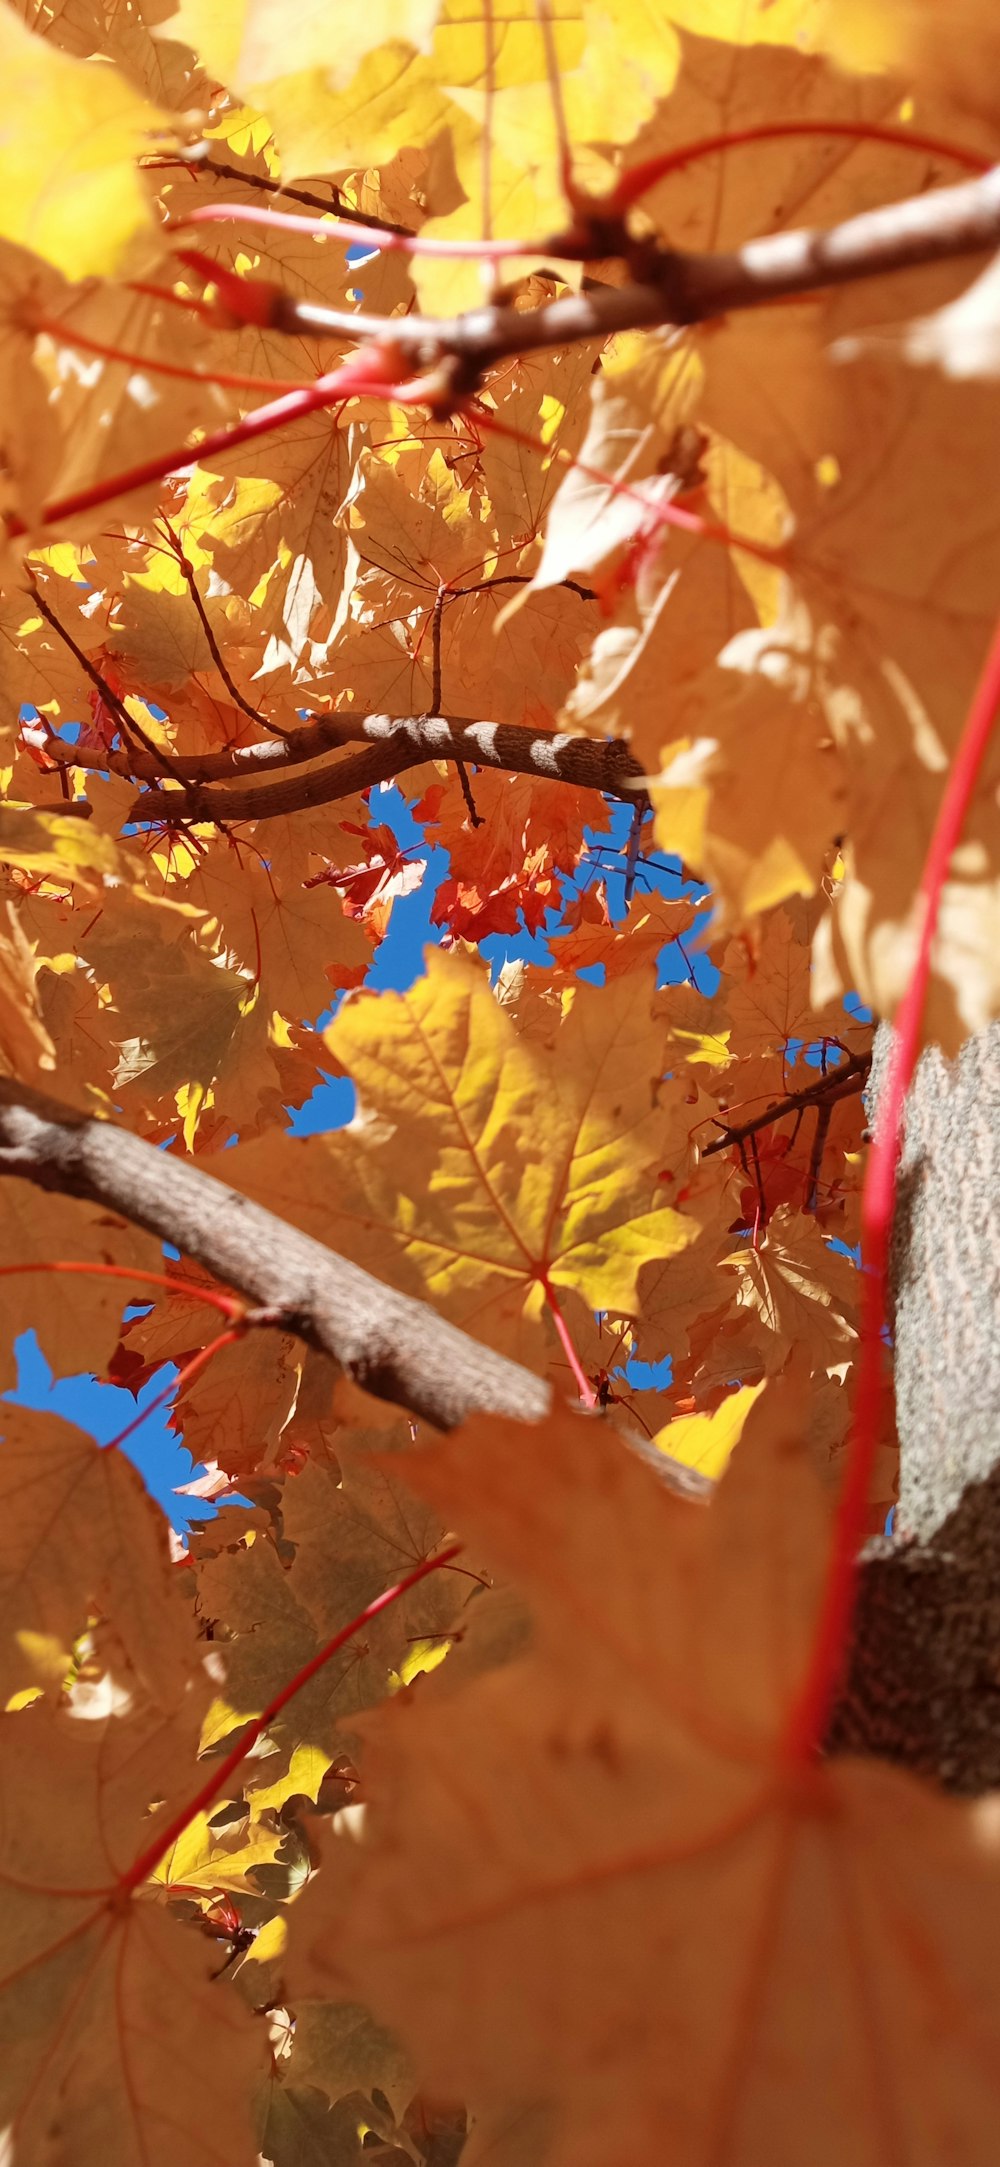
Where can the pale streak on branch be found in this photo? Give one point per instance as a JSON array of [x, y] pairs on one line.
[[392, 743], [674, 288]]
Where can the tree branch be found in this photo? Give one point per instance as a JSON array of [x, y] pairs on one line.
[[675, 288], [391, 1344], [840, 1083], [392, 744]]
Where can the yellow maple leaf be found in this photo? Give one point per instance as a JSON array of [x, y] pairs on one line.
[[73, 129], [487, 1168], [56, 845], [706, 1441], [250, 42]]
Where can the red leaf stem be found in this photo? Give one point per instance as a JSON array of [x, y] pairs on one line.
[[194, 304], [149, 1859], [637, 179], [229, 379], [809, 1717], [345, 229], [198, 1362], [662, 515], [371, 372], [580, 1378], [228, 1304]]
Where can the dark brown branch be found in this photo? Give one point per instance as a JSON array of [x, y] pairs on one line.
[[823, 1116], [129, 729], [394, 743], [391, 1344], [682, 289], [839, 1083], [326, 733], [336, 205]]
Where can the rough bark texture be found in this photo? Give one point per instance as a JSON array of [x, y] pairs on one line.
[[924, 1680], [923, 1685], [393, 744]]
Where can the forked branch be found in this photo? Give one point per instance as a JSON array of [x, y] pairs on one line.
[[669, 286], [838, 1083]]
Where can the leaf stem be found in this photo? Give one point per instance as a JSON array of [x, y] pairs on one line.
[[148, 1860], [580, 1377], [229, 1304], [334, 228], [191, 1369], [657, 514], [228, 379], [637, 179], [370, 372], [810, 1715]]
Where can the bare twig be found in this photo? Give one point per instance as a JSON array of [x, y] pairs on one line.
[[437, 615], [191, 582], [129, 728], [824, 1112], [202, 160], [838, 1083]]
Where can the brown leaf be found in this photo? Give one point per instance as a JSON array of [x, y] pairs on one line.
[[595, 1890]]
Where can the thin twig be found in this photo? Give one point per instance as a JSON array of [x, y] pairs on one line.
[[678, 288], [188, 571], [226, 172], [390, 1343], [112, 700], [760, 1218], [839, 1083], [463, 774], [824, 1115], [436, 616]]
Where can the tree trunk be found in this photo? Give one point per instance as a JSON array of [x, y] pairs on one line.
[[923, 1686]]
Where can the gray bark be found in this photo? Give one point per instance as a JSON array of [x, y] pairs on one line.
[[391, 1344], [923, 1686]]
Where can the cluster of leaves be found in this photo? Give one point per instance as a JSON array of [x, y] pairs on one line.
[[578, 1885]]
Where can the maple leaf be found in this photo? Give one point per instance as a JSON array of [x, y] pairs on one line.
[[234, 1412], [486, 1168], [77, 1316], [26, 1049], [83, 209], [651, 924], [122, 2047], [353, 1536], [56, 846], [894, 636], [744, 67], [250, 43], [79, 1532], [774, 1941]]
